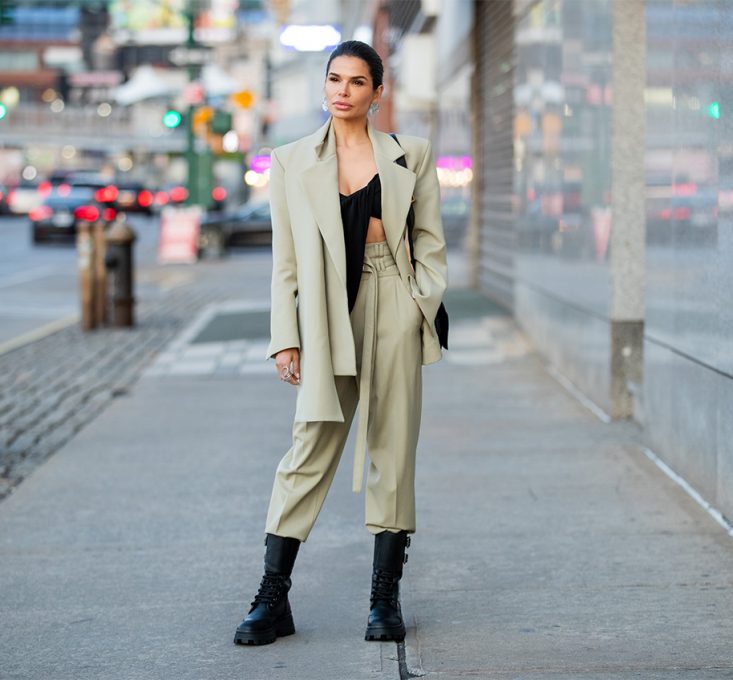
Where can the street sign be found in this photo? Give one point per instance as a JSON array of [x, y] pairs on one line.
[[179, 235], [190, 56], [243, 99]]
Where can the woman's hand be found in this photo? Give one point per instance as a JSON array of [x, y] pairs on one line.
[[287, 363]]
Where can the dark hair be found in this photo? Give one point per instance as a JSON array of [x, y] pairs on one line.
[[356, 48]]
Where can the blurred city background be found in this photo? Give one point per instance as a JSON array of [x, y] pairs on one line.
[[583, 149]]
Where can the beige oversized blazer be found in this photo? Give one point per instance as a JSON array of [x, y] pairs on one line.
[[308, 293]]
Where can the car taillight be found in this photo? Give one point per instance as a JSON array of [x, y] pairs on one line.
[[145, 198], [108, 214], [106, 194], [40, 213], [44, 188], [161, 198], [218, 193], [179, 194], [88, 213], [63, 189]]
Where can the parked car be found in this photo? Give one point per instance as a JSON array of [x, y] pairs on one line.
[[248, 224], [176, 194], [4, 207], [65, 207], [23, 197], [134, 197]]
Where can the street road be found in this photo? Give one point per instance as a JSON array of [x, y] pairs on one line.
[[39, 283]]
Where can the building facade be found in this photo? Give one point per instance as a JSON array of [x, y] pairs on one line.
[[603, 207]]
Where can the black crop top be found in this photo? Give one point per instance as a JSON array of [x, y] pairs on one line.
[[356, 209]]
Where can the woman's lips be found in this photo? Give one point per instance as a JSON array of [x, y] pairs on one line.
[[342, 105]]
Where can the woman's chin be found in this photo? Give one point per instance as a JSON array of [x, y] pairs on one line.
[[351, 114]]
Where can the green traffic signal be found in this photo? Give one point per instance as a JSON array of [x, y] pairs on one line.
[[714, 110], [172, 118], [3, 111]]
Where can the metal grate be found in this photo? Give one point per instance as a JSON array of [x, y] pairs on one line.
[[495, 148], [228, 326]]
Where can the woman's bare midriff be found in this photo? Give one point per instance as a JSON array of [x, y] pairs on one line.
[[375, 231]]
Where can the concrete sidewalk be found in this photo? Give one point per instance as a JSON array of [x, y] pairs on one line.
[[548, 545]]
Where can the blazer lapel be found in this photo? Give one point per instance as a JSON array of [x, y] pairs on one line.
[[398, 185], [320, 181]]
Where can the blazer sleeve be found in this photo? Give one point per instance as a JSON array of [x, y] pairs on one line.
[[431, 268], [284, 286]]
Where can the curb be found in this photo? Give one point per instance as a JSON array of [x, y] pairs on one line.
[[37, 334]]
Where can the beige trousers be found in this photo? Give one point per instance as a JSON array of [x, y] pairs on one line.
[[388, 387]]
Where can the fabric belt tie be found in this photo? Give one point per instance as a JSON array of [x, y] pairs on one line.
[[367, 370]]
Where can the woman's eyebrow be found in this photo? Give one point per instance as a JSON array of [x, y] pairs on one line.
[[333, 73]]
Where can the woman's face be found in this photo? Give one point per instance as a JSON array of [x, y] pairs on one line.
[[349, 88]]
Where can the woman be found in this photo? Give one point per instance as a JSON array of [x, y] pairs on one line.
[[351, 322]]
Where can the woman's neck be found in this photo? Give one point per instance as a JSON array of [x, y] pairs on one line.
[[350, 133]]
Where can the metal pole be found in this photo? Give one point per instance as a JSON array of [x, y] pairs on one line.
[[191, 157]]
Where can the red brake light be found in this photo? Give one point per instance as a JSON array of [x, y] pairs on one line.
[[161, 198], [219, 193], [40, 213], [88, 213], [106, 194], [63, 190], [179, 194], [108, 214], [44, 188], [145, 198]]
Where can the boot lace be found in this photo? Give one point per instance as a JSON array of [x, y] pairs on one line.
[[383, 586], [271, 588]]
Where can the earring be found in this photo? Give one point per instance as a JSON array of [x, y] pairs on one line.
[[324, 104], [374, 107]]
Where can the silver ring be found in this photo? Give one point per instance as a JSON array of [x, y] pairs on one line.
[[286, 374]]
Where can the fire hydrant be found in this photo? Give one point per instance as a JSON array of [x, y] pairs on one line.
[[119, 261]]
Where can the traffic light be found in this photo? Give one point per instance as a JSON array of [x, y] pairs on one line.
[[3, 111], [714, 110], [172, 118], [221, 122], [7, 12]]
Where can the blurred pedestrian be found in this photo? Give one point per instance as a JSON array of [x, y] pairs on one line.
[[351, 322]]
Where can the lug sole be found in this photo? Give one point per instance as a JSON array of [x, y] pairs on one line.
[[382, 634], [282, 628]]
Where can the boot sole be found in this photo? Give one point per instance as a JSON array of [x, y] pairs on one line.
[[282, 628], [381, 634]]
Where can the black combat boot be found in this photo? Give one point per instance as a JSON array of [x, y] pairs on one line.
[[385, 614], [270, 616]]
